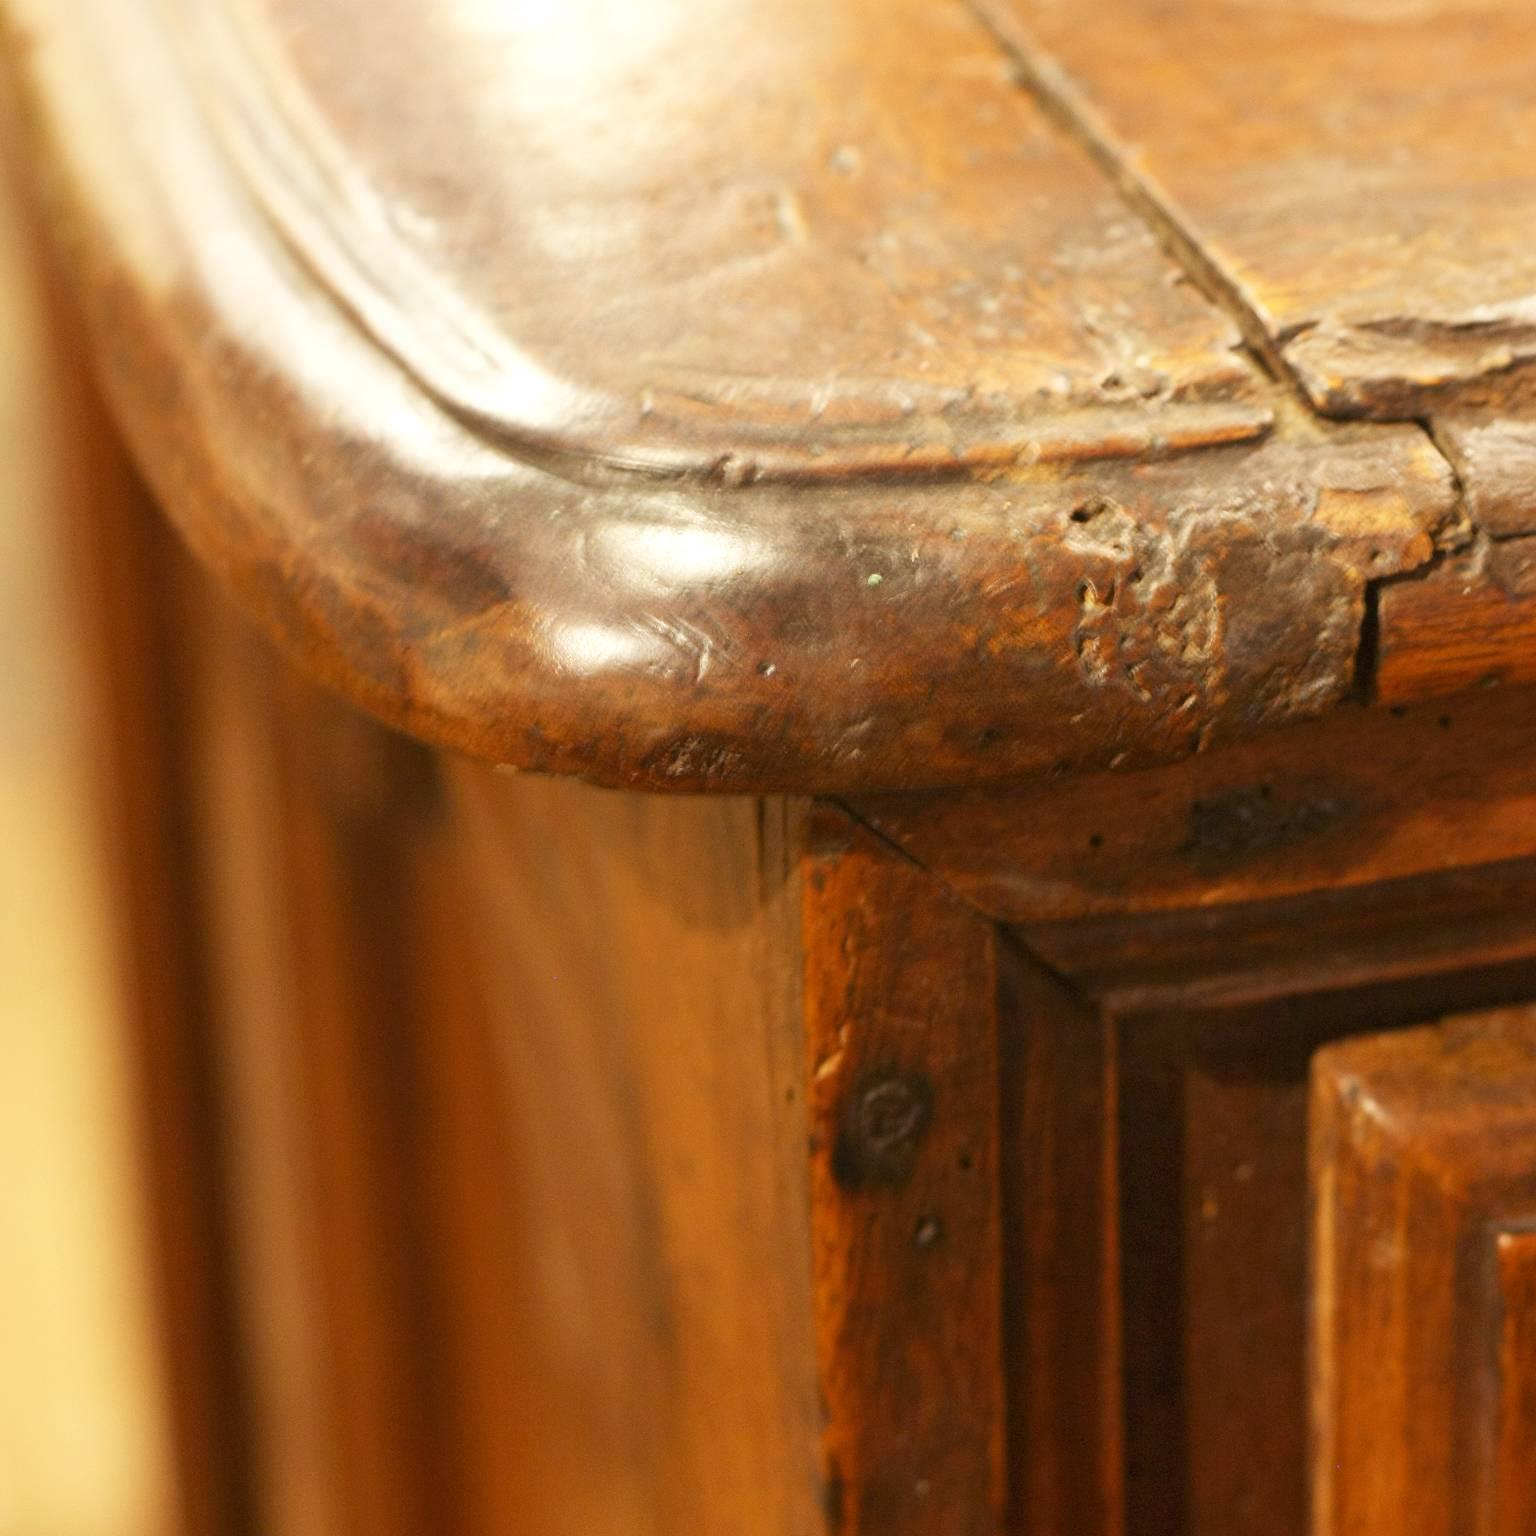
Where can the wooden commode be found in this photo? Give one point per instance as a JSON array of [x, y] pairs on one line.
[[825, 813]]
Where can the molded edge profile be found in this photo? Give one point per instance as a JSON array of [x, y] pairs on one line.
[[680, 633], [325, 211]]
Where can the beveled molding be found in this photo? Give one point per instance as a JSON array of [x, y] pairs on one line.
[[887, 571], [1424, 1209]]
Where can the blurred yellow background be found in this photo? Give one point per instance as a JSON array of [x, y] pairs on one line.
[[82, 1448]]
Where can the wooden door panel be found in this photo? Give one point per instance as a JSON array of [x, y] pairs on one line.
[[1155, 1190], [1423, 1172]]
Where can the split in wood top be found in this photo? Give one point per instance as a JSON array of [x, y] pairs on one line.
[[745, 395]]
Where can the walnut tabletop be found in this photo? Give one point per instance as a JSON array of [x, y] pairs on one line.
[[822, 394]]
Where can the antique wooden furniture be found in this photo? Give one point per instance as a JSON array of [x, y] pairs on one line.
[[1063, 480]]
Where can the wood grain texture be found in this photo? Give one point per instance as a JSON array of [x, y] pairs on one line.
[[831, 272], [1468, 624], [514, 1081], [1112, 539], [1061, 1185], [1513, 1499], [1423, 1149], [1351, 180], [645, 1336], [747, 397], [315, 829], [1212, 1209], [901, 996], [1211, 1135], [652, 1184], [1423, 926], [1494, 453], [1364, 796], [1354, 175]]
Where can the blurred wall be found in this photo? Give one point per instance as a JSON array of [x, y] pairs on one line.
[[81, 1440]]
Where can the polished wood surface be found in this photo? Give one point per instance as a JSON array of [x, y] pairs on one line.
[[1059, 1182], [950, 475], [1352, 183], [1424, 1191], [1355, 175], [707, 1163], [763, 241], [652, 1163], [1365, 796], [1514, 1497], [902, 1071], [941, 407], [646, 1324], [1469, 624]]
